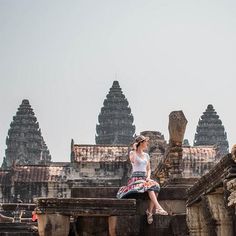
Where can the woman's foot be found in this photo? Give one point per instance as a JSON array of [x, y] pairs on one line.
[[161, 211], [149, 217]]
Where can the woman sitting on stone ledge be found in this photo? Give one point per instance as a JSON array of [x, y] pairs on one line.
[[140, 181]]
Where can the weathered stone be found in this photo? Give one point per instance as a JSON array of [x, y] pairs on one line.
[[224, 223], [198, 160], [53, 224], [86, 206], [207, 207], [196, 220], [18, 229], [177, 126], [233, 152], [218, 176]]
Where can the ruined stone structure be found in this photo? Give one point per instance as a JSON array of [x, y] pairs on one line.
[[92, 165], [211, 201], [88, 201], [177, 126], [80, 195], [210, 131], [24, 182], [115, 119], [25, 144], [99, 165], [198, 160]]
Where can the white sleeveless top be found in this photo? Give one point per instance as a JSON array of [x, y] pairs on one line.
[[140, 164]]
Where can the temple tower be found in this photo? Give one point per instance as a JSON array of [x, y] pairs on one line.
[[115, 119], [25, 144], [210, 131]]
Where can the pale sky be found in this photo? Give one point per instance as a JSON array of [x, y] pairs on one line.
[[166, 54]]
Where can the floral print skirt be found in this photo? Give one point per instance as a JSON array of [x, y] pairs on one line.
[[137, 183]]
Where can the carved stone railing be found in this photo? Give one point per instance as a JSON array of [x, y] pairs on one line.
[[231, 185], [217, 177], [208, 211]]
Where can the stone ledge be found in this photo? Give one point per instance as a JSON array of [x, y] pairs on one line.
[[21, 206], [86, 206], [20, 228]]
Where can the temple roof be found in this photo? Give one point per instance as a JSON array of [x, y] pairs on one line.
[[35, 173], [200, 153], [100, 153]]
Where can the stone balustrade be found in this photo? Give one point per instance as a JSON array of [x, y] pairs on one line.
[[208, 204]]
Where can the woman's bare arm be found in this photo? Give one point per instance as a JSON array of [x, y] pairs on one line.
[[148, 170], [131, 156]]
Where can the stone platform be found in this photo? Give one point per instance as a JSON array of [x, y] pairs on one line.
[[96, 212]]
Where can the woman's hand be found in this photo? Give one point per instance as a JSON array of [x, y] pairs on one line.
[[148, 179]]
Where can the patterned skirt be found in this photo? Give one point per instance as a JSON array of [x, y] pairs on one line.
[[137, 183]]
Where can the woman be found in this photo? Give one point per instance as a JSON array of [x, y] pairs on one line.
[[140, 181]]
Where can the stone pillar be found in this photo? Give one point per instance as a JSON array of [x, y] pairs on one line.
[[53, 224], [224, 222], [196, 221], [112, 220], [192, 220]]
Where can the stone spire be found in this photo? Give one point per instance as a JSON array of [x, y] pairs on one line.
[[115, 119], [210, 131], [25, 145]]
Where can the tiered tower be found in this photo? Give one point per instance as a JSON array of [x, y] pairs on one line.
[[210, 131], [115, 119], [25, 145]]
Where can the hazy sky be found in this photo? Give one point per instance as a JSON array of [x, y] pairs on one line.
[[166, 54]]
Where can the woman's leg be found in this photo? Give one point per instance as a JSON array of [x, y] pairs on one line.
[[149, 212], [154, 201], [150, 206]]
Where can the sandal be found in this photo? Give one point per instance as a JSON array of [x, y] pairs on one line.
[[161, 211], [149, 217]]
